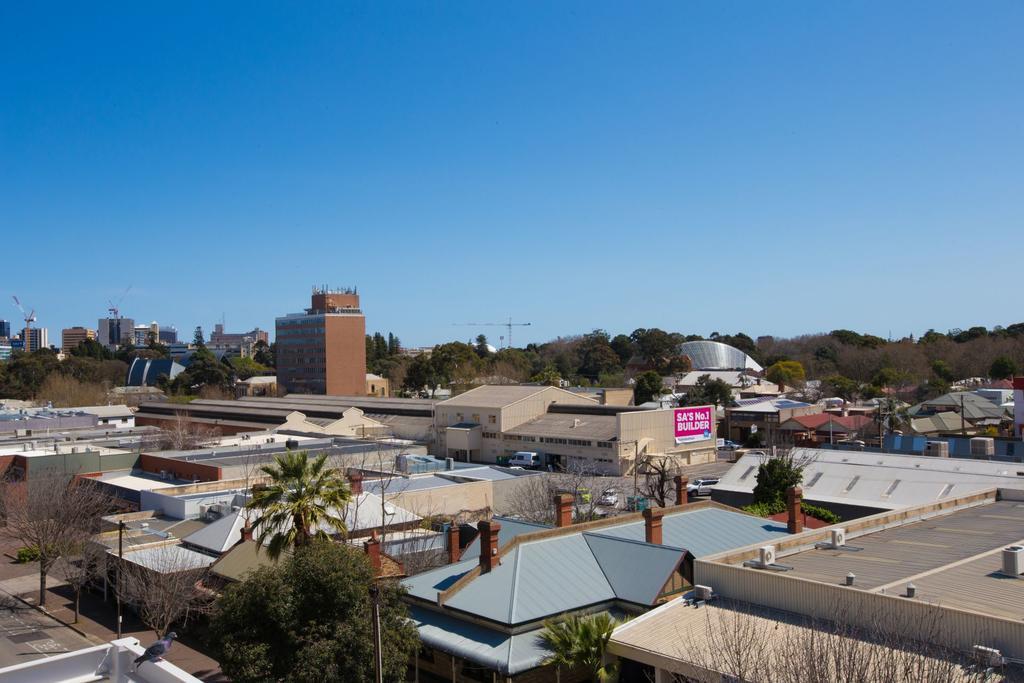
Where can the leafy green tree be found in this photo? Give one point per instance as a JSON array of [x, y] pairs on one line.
[[597, 356], [1002, 368], [843, 387], [420, 375], [716, 392], [657, 347], [248, 367], [648, 387], [774, 476], [309, 618], [549, 376], [204, 370], [581, 642], [789, 372], [481, 346], [26, 372], [623, 347], [90, 348], [943, 370], [394, 345], [263, 354], [302, 498], [197, 337]]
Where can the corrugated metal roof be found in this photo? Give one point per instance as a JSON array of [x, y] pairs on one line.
[[637, 572], [706, 531], [711, 355], [883, 480], [510, 528], [570, 426]]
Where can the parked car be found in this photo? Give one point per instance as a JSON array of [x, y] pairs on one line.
[[527, 459], [609, 498], [701, 487], [728, 446]]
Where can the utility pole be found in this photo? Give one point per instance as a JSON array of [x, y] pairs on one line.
[[963, 426], [378, 658], [120, 559]]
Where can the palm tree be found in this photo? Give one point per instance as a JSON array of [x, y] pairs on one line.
[[581, 642], [302, 499]]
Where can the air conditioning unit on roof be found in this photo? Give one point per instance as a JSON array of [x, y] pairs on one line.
[[838, 537], [767, 555]]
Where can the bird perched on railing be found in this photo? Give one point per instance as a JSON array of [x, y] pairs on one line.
[[156, 651]]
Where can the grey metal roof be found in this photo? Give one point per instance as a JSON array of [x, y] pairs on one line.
[[883, 480], [712, 355], [483, 646], [975, 406], [706, 531], [220, 535], [550, 576], [402, 484], [510, 528]]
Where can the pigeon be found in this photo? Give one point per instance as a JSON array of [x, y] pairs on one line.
[[156, 651]]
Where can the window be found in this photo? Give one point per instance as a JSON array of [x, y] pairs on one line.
[[492, 419], [892, 487], [853, 482]]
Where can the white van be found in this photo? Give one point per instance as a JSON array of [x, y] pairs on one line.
[[527, 459]]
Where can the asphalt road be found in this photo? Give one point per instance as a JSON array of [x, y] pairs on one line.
[[27, 634]]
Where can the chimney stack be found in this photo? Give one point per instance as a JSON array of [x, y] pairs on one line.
[[355, 482], [246, 531], [454, 551], [682, 494], [794, 518], [563, 509], [372, 548], [652, 524], [489, 545]]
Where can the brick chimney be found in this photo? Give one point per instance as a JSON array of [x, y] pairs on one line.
[[454, 552], [682, 494], [246, 531], [563, 509], [372, 548], [652, 524], [794, 518], [355, 483], [489, 545]]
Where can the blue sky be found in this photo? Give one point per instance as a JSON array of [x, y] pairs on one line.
[[772, 168]]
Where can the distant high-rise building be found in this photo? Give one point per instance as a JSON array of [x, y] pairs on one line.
[[323, 350], [141, 333], [38, 338], [112, 332], [219, 336], [71, 337], [5, 329], [168, 334]]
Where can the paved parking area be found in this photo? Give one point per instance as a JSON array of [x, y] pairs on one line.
[[27, 634]]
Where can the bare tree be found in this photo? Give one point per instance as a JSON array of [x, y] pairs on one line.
[[80, 567], [53, 515], [657, 483], [531, 499], [166, 590], [184, 434]]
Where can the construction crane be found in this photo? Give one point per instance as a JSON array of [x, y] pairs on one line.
[[29, 319], [115, 313], [507, 325]]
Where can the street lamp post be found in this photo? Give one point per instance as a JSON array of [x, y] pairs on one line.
[[120, 559]]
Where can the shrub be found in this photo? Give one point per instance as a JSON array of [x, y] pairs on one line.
[[769, 509], [28, 554]]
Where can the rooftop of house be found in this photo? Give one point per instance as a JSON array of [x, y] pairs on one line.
[[975, 406], [823, 421], [107, 662], [881, 480], [550, 571]]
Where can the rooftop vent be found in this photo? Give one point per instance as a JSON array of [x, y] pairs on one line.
[[1013, 560]]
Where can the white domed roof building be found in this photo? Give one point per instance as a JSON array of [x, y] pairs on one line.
[[712, 355]]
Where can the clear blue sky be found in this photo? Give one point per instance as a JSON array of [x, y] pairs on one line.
[[767, 167]]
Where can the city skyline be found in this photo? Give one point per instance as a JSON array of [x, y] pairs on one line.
[[765, 169]]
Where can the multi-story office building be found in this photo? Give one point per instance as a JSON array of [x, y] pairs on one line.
[[168, 334], [219, 336], [112, 332], [5, 329], [38, 338], [71, 337], [323, 350]]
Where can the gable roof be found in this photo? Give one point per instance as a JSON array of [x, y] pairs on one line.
[[219, 536]]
